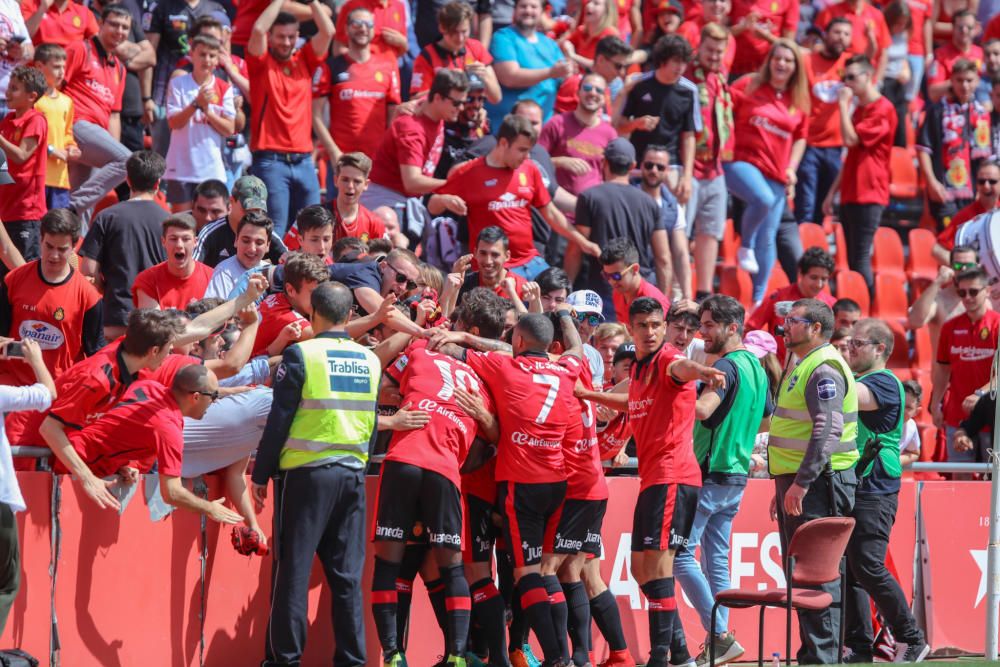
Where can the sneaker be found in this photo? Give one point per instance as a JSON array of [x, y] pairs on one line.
[[396, 659], [747, 260], [690, 662], [473, 660], [727, 649], [913, 653], [855, 657], [456, 661], [619, 659], [533, 661]]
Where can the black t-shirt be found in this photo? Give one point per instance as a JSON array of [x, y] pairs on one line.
[[884, 419], [125, 240], [217, 241], [171, 20], [673, 103], [611, 211]]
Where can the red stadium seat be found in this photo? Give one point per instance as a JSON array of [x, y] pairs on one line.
[[900, 357], [887, 253], [840, 252], [730, 241], [923, 353], [736, 283], [920, 265], [903, 167], [777, 280], [813, 236], [923, 378], [890, 299], [852, 285]]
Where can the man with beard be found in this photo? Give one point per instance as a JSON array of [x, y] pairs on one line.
[[179, 280], [492, 253]]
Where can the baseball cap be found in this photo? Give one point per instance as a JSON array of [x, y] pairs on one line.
[[222, 18], [250, 192], [5, 177], [673, 6], [760, 343], [620, 153], [586, 301], [475, 82], [624, 351]]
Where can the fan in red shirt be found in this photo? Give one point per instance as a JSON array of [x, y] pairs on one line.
[[620, 262], [499, 190], [145, 428], [660, 402], [361, 90], [534, 403], [961, 47], [388, 24], [869, 31], [595, 20], [179, 280], [987, 196], [285, 316], [712, 11], [814, 270], [455, 50], [750, 19], [62, 22]]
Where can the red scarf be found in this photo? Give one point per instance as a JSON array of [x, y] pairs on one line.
[[965, 136]]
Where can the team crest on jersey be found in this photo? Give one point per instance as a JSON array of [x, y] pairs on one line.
[[379, 77], [286, 71], [77, 22], [59, 315], [522, 179], [984, 333], [418, 529], [364, 237]]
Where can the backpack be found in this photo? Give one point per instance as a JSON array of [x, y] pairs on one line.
[[15, 657], [442, 247]]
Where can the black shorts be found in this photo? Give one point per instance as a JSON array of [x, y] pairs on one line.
[[664, 514], [580, 527], [480, 531], [410, 496], [530, 516]]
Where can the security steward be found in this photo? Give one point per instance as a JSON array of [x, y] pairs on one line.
[[316, 444], [881, 403], [812, 452]]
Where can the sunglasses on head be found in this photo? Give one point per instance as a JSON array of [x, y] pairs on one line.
[[654, 165], [972, 291], [593, 319], [591, 88], [991, 181]]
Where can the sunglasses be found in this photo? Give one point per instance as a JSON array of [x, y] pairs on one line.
[[476, 99], [654, 165], [797, 320], [972, 291], [358, 23], [991, 181], [401, 278], [457, 103], [214, 395], [962, 266], [617, 275], [591, 88], [593, 319]]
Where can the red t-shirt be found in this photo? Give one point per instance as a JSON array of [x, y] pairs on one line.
[[427, 381], [766, 317], [247, 12], [51, 315], [24, 199], [533, 401], [947, 237], [415, 141], [615, 435], [73, 24], [275, 314], [766, 126], [691, 31], [868, 16], [146, 427], [432, 58], [95, 81], [646, 288], [945, 58], [500, 197], [170, 291], [866, 170], [920, 11], [824, 113], [783, 17], [661, 414], [281, 101], [391, 14], [992, 30], [169, 368], [585, 45], [365, 226], [967, 348], [360, 95], [585, 475]]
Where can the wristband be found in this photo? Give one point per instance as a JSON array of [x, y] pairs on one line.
[[51, 149], [563, 312], [147, 98]]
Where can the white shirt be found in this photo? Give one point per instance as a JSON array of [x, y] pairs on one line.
[[225, 276], [17, 399], [195, 152], [11, 25], [910, 443]]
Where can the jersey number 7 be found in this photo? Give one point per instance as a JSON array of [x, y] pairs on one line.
[[550, 398]]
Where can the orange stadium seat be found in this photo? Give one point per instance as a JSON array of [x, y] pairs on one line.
[[902, 165], [730, 241], [736, 283], [852, 285], [923, 353], [813, 236], [890, 299], [777, 280], [921, 268], [887, 253], [900, 357], [840, 251]]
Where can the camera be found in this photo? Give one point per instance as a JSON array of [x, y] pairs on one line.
[[14, 349]]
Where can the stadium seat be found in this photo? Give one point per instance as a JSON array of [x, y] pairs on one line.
[[890, 302], [840, 251], [887, 253], [852, 285], [730, 241], [900, 357], [902, 165], [923, 353], [813, 236], [777, 280], [921, 268], [736, 283], [923, 378]]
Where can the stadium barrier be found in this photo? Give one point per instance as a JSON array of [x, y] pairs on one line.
[[105, 590]]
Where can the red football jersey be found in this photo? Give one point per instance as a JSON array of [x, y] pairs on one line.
[[427, 381], [415, 141], [165, 373], [24, 199], [51, 315], [275, 314], [145, 427], [614, 436], [170, 291], [585, 475], [482, 483], [534, 403], [94, 80], [501, 197], [968, 351], [661, 413]]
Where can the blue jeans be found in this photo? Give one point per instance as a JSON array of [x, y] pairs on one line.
[[56, 197], [530, 269], [291, 185], [712, 528], [916, 76], [817, 172], [765, 202]]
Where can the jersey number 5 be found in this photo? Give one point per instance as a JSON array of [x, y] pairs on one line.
[[550, 398]]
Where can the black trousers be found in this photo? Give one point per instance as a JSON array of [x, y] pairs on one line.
[[321, 512], [860, 223], [867, 576], [819, 631], [10, 563]]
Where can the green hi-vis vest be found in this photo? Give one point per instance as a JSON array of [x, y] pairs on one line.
[[336, 414], [728, 446], [889, 441], [791, 425]]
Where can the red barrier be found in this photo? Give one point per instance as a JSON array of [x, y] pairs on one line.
[[130, 591]]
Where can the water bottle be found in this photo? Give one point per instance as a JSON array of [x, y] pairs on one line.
[[775, 660]]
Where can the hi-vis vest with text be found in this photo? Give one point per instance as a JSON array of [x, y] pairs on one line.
[[791, 425], [336, 415]]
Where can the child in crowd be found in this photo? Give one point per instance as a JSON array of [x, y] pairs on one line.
[[909, 446], [57, 107]]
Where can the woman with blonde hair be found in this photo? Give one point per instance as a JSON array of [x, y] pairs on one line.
[[770, 112], [596, 20]]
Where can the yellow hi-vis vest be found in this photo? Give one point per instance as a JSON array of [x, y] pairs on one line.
[[791, 425], [336, 415]]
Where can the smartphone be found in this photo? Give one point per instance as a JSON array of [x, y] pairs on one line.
[[14, 349]]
